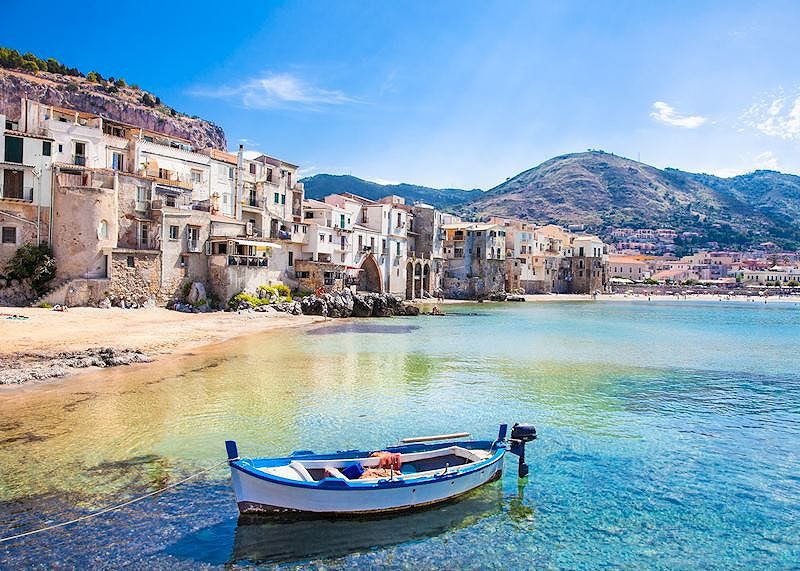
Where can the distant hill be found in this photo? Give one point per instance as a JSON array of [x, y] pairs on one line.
[[605, 191], [321, 185]]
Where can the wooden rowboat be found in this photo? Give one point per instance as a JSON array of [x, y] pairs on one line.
[[431, 470]]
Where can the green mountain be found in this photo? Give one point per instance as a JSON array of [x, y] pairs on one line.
[[321, 185], [605, 191]]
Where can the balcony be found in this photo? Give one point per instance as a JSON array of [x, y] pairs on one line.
[[248, 261], [192, 245], [79, 160], [173, 182], [20, 194]]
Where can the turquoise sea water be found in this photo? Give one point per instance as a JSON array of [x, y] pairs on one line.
[[669, 437]]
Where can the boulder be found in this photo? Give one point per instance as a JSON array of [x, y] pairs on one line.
[[105, 303], [196, 293], [381, 305], [313, 305], [362, 305]]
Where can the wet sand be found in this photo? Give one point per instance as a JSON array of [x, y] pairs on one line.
[[50, 344]]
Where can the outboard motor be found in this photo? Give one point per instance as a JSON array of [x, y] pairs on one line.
[[521, 434]]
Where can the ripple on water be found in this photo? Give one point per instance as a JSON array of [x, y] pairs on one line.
[[667, 440]]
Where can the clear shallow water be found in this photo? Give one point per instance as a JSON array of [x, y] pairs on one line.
[[669, 437]]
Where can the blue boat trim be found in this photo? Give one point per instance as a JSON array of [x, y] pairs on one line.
[[250, 467]]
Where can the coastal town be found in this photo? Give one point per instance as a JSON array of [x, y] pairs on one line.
[[134, 217]]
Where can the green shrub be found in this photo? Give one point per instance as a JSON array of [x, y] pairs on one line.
[[35, 263], [45, 305], [280, 290], [792, 283], [233, 303]]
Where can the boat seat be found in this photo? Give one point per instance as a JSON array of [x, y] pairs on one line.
[[301, 471], [292, 471]]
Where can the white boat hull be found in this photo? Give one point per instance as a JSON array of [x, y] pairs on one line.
[[254, 494]]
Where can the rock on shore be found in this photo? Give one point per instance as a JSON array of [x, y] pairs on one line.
[[24, 367], [345, 303]]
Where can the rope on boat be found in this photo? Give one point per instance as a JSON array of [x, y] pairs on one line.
[[114, 507]]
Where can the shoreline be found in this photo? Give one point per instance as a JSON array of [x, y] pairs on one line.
[[50, 346], [46, 346]]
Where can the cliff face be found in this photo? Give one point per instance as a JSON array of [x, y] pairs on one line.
[[124, 106]]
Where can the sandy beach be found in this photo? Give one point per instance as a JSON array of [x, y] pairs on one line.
[[51, 344]]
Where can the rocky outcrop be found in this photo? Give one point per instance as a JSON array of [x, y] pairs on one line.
[[125, 106], [24, 367], [348, 304]]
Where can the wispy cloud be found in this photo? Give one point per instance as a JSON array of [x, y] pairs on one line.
[[665, 113], [775, 115], [276, 90], [384, 182]]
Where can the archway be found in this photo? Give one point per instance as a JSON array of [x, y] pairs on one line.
[[426, 279], [370, 279], [409, 280], [418, 280]]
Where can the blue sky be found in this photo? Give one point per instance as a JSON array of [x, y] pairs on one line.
[[456, 94]]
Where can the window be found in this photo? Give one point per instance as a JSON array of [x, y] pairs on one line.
[[131, 262], [252, 168], [142, 198], [183, 261], [170, 201], [269, 175], [383, 245], [80, 154], [230, 173], [224, 199], [277, 199], [9, 235], [283, 199], [399, 219], [60, 148], [397, 250], [47, 148], [13, 149], [289, 179], [301, 275], [580, 251], [116, 161], [12, 184], [330, 238], [144, 234], [341, 221], [102, 231], [174, 232], [342, 241], [197, 176], [291, 258]]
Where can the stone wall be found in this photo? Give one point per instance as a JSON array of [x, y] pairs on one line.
[[78, 246], [588, 274], [26, 233], [316, 275], [491, 280], [226, 281], [136, 276]]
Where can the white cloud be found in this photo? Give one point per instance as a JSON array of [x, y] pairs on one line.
[[276, 90], [762, 161], [383, 181], [664, 113], [775, 115], [766, 160]]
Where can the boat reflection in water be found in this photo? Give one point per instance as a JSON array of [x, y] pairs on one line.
[[276, 539]]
